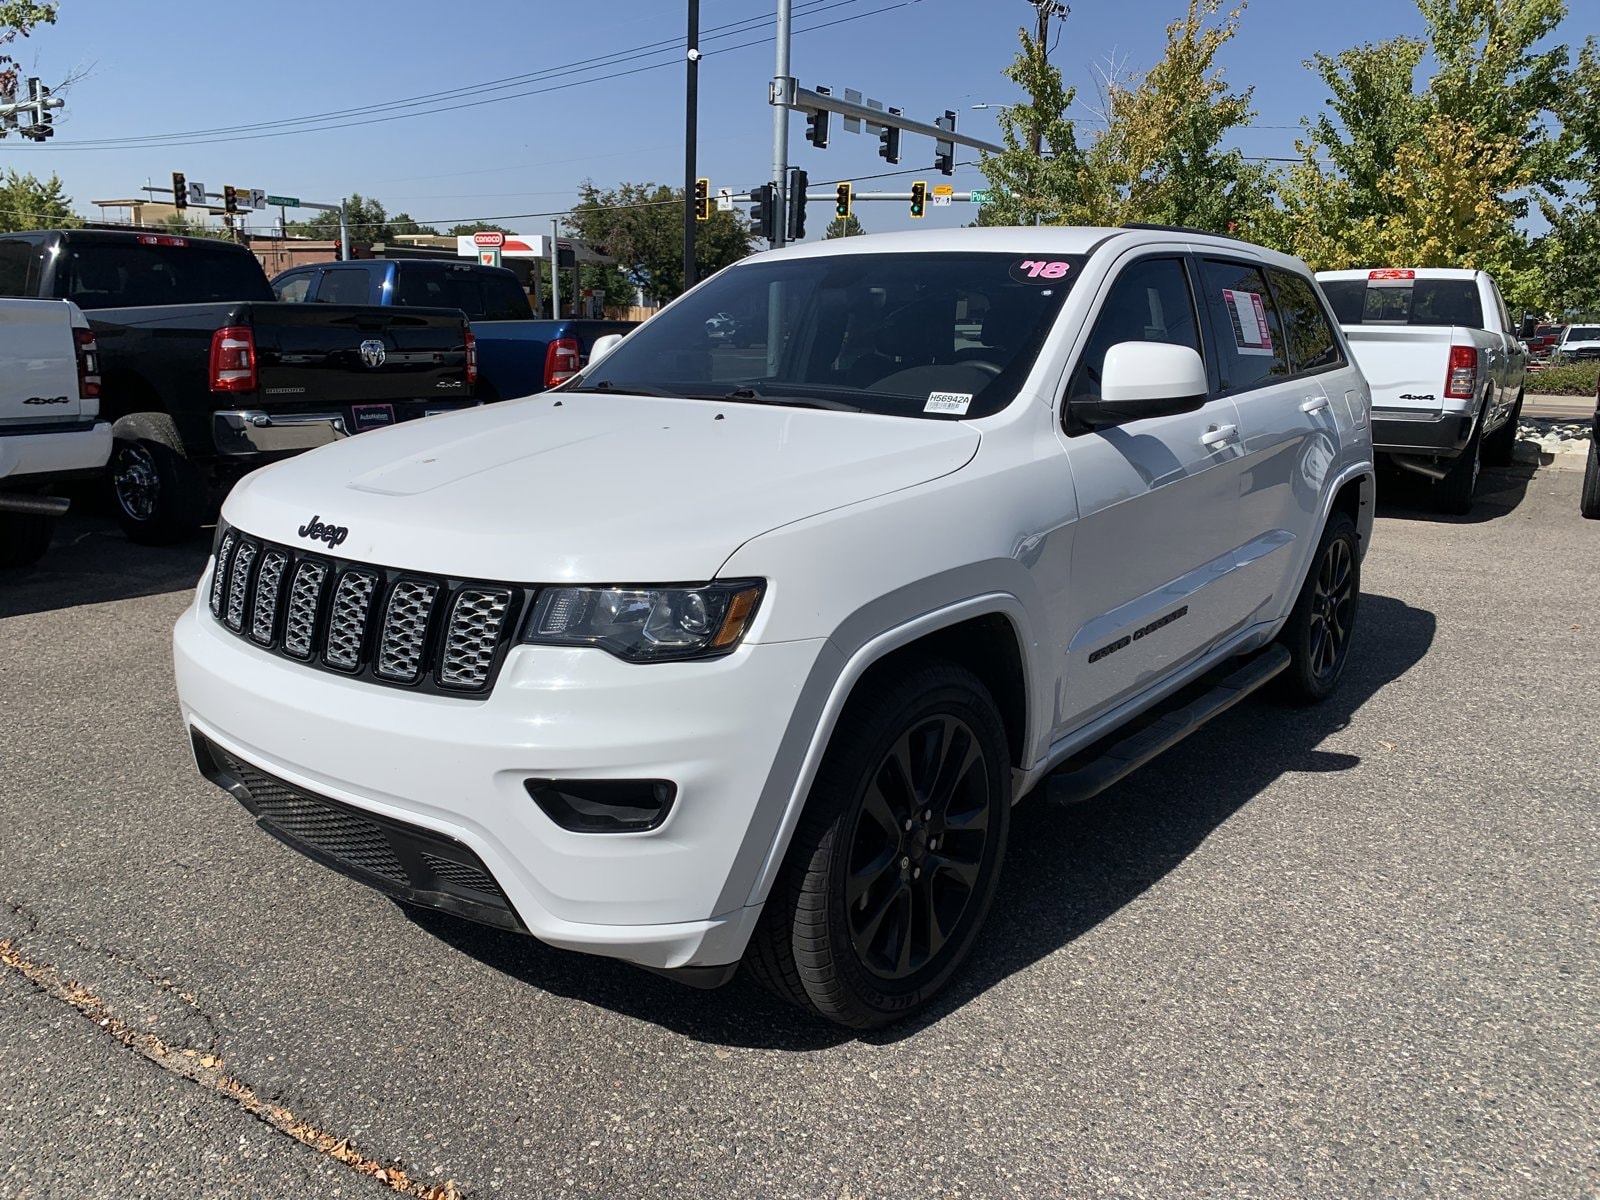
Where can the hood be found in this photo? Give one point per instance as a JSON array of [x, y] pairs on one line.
[[590, 488]]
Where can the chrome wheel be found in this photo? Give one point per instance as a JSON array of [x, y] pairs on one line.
[[1332, 600], [916, 851], [135, 481]]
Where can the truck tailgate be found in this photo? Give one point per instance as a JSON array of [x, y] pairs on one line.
[[1405, 365], [38, 364], [353, 355]]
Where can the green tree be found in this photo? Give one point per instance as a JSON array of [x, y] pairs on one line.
[[641, 226], [843, 227], [18, 19], [1570, 254], [29, 203], [368, 221], [476, 227]]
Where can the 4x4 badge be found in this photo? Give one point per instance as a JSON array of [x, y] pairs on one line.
[[318, 532], [373, 353]]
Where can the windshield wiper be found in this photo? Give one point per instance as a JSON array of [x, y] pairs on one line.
[[750, 393], [632, 389]]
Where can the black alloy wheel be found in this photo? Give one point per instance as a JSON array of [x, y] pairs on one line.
[[1332, 608], [917, 848], [894, 863], [135, 482], [1321, 625]]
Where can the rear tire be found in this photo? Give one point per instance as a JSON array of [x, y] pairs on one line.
[[24, 537], [896, 858], [157, 493], [1320, 627], [1498, 446], [1589, 498], [1457, 490]]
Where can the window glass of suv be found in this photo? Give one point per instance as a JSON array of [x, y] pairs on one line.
[[1244, 320], [1150, 301], [897, 334], [117, 274], [1311, 342], [352, 285]]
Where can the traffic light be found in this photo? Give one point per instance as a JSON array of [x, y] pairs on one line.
[[817, 128], [944, 153], [43, 125], [919, 198], [702, 199], [799, 181], [180, 190], [889, 140], [764, 212], [230, 198], [841, 204]]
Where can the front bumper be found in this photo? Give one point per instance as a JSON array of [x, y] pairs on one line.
[[454, 768], [1418, 431]]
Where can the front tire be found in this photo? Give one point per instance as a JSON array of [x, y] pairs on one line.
[[1319, 629], [896, 858], [1589, 498], [157, 492]]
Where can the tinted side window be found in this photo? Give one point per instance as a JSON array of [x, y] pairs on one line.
[[1248, 333], [1149, 302], [1311, 344], [504, 299], [343, 287], [292, 289], [14, 256], [439, 287]]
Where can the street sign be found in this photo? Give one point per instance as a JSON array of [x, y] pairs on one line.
[[982, 196], [197, 192], [489, 237], [942, 193], [258, 198], [284, 201], [724, 199]]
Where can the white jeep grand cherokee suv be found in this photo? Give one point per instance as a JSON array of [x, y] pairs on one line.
[[724, 653]]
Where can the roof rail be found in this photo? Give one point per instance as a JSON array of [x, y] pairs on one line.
[[1179, 229]]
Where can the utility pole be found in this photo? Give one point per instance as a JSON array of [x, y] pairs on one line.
[[780, 127], [691, 109], [1046, 8]]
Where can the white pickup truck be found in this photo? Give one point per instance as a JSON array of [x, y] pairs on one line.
[[49, 431], [1446, 367]]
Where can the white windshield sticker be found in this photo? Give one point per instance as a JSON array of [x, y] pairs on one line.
[[1249, 315], [955, 403]]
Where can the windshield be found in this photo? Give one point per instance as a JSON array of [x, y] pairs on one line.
[[1584, 333], [1405, 302], [131, 274], [940, 335]]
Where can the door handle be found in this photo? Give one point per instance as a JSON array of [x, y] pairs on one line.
[[1219, 435], [1314, 404]]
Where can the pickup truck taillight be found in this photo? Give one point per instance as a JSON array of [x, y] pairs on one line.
[[560, 361], [1462, 381], [233, 359], [472, 359], [88, 364]]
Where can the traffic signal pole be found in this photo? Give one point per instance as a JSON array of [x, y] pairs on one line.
[[691, 108], [781, 84]]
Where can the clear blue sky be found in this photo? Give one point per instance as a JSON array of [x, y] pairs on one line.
[[174, 70]]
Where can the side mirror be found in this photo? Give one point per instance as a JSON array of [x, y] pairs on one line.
[[1529, 324], [603, 346], [1145, 379]]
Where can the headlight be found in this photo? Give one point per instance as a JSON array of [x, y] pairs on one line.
[[647, 624]]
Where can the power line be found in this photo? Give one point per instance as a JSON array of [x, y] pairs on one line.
[[198, 138]]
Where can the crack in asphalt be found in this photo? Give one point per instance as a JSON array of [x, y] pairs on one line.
[[205, 1069]]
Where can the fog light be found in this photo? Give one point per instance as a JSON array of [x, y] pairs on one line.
[[604, 805]]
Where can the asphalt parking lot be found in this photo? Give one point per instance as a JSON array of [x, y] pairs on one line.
[[1341, 952]]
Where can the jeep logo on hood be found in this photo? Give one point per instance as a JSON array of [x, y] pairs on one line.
[[314, 530]]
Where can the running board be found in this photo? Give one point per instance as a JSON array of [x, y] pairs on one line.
[[1122, 758]]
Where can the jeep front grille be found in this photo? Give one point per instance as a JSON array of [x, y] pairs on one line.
[[368, 622]]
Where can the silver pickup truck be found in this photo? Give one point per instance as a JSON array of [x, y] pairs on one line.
[[1446, 365], [50, 431]]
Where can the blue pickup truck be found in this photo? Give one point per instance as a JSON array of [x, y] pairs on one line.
[[517, 353]]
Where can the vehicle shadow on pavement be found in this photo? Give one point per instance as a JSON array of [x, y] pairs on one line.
[[1067, 869], [91, 562], [1409, 497]]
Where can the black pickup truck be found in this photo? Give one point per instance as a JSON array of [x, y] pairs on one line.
[[206, 376]]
